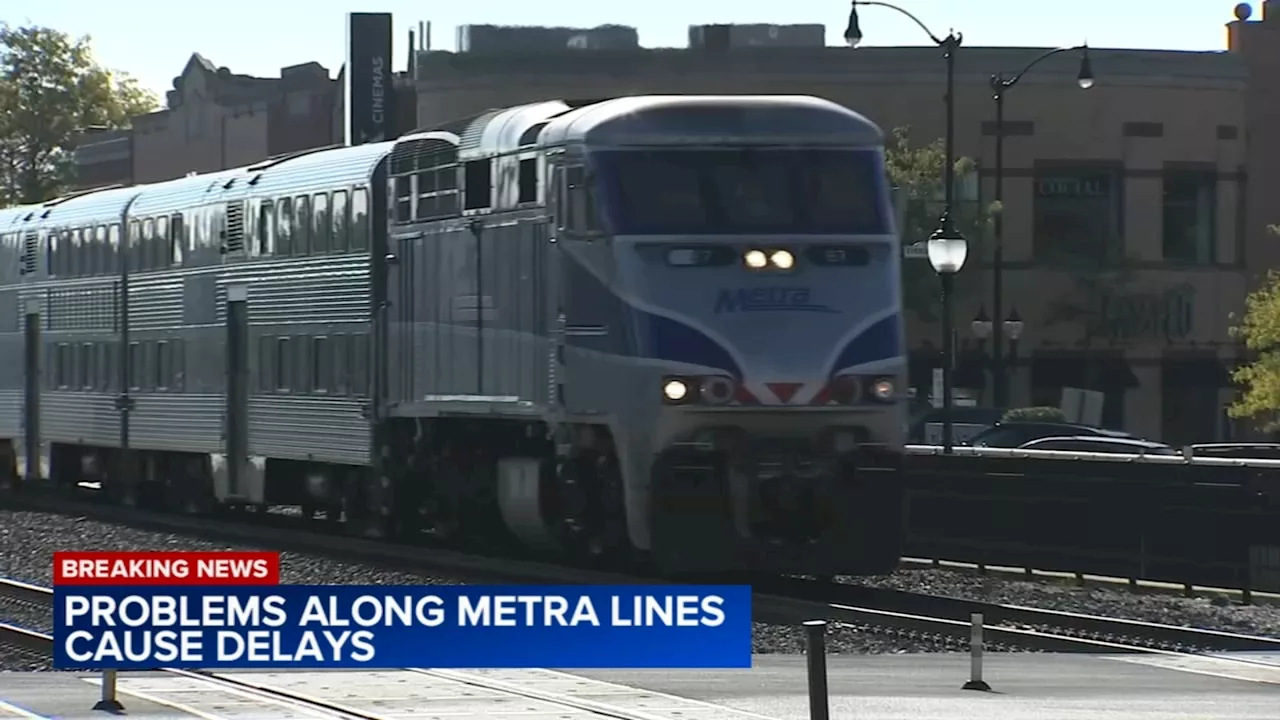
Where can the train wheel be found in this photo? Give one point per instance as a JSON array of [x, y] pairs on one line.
[[122, 484], [612, 506], [571, 508]]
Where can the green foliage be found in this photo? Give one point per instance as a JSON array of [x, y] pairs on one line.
[[1259, 380], [51, 90], [1034, 414], [917, 173]]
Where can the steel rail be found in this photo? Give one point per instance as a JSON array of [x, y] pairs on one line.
[[787, 600]]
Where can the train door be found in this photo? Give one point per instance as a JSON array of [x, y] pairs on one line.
[[401, 265], [32, 469], [552, 308], [235, 482], [581, 263]]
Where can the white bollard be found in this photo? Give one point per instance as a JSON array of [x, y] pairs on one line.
[[109, 703], [975, 655]]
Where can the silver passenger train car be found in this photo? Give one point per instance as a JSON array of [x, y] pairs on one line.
[[666, 326]]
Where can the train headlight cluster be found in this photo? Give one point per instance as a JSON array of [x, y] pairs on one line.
[[856, 390], [761, 259], [698, 390]]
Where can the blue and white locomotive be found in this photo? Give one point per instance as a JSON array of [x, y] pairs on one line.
[[669, 326]]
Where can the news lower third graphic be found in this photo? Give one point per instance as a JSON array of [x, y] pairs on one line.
[[159, 612]]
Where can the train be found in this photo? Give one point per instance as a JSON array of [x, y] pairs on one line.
[[665, 328]]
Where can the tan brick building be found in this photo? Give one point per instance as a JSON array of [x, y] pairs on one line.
[[215, 119], [1135, 212]]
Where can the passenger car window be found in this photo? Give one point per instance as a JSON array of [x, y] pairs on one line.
[[359, 219], [284, 226], [301, 225]]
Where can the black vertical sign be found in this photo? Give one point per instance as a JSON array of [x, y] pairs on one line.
[[370, 102]]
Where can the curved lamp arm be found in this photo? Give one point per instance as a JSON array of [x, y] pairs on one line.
[[999, 83], [853, 33]]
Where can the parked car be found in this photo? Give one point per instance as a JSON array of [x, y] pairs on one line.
[[1265, 451], [965, 423], [1101, 444], [1014, 434]]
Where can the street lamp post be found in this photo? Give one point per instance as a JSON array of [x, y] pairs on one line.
[[949, 45], [999, 86], [947, 256], [947, 247]]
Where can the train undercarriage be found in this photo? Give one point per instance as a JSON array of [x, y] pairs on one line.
[[507, 486]]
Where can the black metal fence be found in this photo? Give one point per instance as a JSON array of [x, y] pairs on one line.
[[1212, 523]]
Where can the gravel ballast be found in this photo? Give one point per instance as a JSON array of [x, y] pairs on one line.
[[1209, 613], [28, 540]]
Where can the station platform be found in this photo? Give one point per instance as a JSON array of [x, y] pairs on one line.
[[886, 687], [1025, 686]]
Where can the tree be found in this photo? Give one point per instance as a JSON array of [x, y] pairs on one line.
[[51, 90], [1260, 330], [1035, 414], [916, 173]]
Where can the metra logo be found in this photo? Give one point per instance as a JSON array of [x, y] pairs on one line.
[[778, 299]]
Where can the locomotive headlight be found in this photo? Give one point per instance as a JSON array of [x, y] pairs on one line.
[[675, 390], [717, 390], [883, 389], [783, 260], [755, 259]]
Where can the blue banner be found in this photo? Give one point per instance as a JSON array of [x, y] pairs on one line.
[[435, 626]]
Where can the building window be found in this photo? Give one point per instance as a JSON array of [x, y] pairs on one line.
[[1190, 216], [1190, 406], [1078, 214]]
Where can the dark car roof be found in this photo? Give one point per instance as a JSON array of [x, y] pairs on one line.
[[1068, 429], [1136, 444]]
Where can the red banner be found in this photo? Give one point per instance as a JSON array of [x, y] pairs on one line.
[[166, 568]]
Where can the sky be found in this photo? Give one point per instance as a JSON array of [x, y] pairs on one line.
[[152, 42]]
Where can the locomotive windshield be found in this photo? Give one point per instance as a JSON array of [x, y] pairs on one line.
[[743, 190]]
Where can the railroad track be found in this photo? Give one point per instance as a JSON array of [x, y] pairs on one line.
[[786, 600], [792, 601], [1015, 625]]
